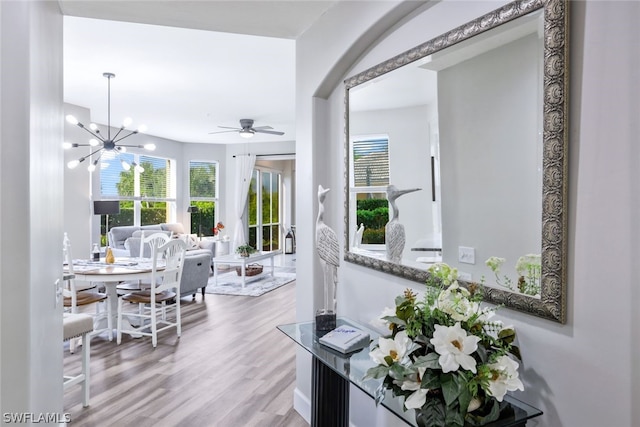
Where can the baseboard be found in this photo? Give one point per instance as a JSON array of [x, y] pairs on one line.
[[302, 405]]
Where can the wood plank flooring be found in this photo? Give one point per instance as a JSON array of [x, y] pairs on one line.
[[231, 367]]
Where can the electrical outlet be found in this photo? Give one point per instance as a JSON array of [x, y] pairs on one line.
[[466, 255], [467, 277]]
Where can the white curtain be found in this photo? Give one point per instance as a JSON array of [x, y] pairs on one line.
[[244, 169]]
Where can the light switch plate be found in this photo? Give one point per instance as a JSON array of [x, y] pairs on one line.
[[466, 255]]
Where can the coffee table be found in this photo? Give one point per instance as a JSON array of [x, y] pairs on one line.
[[242, 262]]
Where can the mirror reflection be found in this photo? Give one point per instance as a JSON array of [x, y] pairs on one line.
[[465, 126]]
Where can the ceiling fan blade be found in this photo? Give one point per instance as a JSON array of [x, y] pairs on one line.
[[229, 127], [271, 132], [262, 127], [224, 131]]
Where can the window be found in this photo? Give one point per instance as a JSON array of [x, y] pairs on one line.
[[264, 210], [203, 193], [146, 196], [369, 177]]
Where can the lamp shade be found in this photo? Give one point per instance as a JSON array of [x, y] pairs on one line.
[[106, 207], [193, 209]]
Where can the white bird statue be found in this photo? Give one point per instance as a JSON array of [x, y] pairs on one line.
[[328, 250], [357, 241], [394, 231]]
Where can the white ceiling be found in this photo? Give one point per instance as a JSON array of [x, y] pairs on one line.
[[238, 62]]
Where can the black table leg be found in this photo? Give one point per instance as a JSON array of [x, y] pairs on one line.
[[329, 397]]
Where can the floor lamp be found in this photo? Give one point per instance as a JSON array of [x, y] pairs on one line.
[[106, 207], [195, 209]]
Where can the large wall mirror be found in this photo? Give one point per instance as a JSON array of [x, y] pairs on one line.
[[476, 119]]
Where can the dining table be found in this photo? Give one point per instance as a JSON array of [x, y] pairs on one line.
[[111, 274]]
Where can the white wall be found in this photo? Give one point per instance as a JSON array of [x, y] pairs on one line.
[[583, 373], [491, 157], [31, 209]]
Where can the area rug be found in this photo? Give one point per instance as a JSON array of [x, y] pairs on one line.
[[231, 284]]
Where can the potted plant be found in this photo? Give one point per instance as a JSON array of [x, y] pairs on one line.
[[446, 356], [245, 250]]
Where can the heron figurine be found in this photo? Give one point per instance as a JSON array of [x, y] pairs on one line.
[[394, 231], [357, 241], [328, 251]]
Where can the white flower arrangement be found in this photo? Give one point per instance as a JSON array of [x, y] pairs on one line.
[[529, 269], [445, 356]]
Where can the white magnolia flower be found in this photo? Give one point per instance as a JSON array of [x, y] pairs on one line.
[[474, 404], [419, 396], [396, 348], [416, 399], [380, 322], [454, 347], [504, 377], [455, 302]]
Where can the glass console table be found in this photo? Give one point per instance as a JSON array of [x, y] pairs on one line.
[[332, 372]]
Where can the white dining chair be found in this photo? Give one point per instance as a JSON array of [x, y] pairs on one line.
[[74, 326], [75, 297], [167, 261], [155, 239]]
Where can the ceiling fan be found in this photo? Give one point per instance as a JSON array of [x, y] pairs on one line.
[[247, 130]]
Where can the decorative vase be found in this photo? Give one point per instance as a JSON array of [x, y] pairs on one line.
[[109, 258]]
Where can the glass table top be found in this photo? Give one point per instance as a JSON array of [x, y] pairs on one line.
[[353, 367]]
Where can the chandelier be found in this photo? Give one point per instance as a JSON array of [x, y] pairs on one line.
[[106, 144]]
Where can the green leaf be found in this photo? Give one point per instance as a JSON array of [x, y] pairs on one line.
[[397, 371], [507, 335], [515, 350], [451, 388], [430, 361], [432, 414], [376, 372], [492, 415], [454, 418], [464, 399], [430, 380]]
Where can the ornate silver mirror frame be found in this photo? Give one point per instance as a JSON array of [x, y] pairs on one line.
[[552, 303]]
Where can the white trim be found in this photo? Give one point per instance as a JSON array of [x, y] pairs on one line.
[[302, 405]]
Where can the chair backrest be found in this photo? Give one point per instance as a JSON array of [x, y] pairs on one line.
[[152, 241], [66, 253], [69, 290], [171, 256]]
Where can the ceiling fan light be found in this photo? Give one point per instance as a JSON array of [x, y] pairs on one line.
[[127, 121], [246, 133], [71, 119], [142, 128], [92, 166], [94, 142], [73, 164], [93, 126], [66, 145], [126, 166], [149, 147]]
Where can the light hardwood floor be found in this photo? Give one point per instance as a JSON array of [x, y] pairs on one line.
[[230, 368]]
